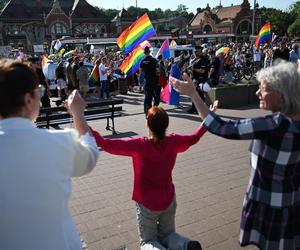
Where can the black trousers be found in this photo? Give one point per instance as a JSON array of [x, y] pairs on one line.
[[152, 94]]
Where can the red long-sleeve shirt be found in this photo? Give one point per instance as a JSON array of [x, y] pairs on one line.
[[152, 163]]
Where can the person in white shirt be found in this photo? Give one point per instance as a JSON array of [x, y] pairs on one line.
[[37, 165], [103, 70], [62, 88]]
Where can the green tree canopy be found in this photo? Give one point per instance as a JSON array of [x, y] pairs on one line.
[[3, 3], [280, 20], [294, 29]]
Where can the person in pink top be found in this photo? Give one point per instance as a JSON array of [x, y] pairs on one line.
[[154, 158]]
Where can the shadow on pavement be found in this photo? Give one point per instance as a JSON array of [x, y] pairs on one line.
[[122, 135]]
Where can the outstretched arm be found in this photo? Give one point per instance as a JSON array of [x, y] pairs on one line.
[[187, 87], [254, 128]]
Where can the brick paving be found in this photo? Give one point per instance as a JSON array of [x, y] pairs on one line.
[[210, 180]]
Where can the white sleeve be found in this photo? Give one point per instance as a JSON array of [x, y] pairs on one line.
[[86, 155]]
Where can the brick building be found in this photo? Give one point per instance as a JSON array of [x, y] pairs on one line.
[[30, 22], [233, 21]]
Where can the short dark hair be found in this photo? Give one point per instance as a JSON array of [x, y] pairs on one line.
[[146, 50], [16, 80], [158, 122], [81, 63]]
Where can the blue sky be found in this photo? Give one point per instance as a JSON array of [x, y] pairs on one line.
[[191, 4]]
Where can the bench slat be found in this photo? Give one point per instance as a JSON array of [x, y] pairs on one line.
[[97, 110]]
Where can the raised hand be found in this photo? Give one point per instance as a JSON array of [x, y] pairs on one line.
[[213, 107], [75, 104], [185, 87]]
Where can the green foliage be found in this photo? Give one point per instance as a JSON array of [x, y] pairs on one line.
[[155, 14], [111, 13], [3, 3], [280, 20], [294, 29], [295, 9]]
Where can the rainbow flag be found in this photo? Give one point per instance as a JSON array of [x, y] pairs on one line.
[[132, 63], [263, 35], [94, 76], [164, 50], [45, 60], [61, 52], [70, 53], [173, 44], [136, 33], [145, 43]]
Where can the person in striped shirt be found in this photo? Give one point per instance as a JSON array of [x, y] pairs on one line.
[[271, 209]]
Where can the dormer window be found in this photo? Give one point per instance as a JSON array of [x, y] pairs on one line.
[[58, 28]]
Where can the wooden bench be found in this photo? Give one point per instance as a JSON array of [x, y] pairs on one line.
[[108, 109]]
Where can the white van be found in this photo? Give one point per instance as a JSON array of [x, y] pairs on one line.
[[174, 52], [49, 72]]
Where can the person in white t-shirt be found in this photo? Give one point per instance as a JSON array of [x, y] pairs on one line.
[[103, 70], [62, 88], [37, 165]]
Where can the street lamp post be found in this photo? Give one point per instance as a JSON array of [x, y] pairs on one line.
[[137, 15], [253, 18]]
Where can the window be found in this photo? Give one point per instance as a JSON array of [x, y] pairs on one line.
[[207, 28], [244, 28], [58, 28]]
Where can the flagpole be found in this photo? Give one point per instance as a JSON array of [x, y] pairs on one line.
[[253, 18]]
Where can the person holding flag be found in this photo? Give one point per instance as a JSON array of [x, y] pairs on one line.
[[162, 71]]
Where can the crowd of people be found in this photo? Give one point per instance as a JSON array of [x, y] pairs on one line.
[[36, 185], [205, 65]]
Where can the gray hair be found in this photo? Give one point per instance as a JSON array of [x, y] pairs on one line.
[[284, 78]]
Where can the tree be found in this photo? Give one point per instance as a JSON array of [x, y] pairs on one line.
[[159, 12], [279, 20], [294, 29], [3, 3], [295, 9], [181, 8], [137, 12], [111, 13]]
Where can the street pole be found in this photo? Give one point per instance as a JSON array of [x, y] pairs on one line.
[[253, 19], [137, 16]]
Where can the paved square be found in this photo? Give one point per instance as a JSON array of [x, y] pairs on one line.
[[210, 180]]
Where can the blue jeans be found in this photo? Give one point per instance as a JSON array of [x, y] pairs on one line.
[[104, 89], [157, 229]]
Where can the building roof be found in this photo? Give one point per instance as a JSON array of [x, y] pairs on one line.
[[36, 9], [81, 9], [198, 17], [221, 15], [124, 16], [227, 12]]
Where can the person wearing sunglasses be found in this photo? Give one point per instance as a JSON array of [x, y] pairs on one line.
[[37, 165], [271, 209]]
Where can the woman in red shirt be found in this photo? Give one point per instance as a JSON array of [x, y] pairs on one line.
[[153, 191]]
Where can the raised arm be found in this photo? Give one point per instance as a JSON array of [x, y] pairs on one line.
[[187, 87], [253, 128], [125, 146], [85, 148]]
